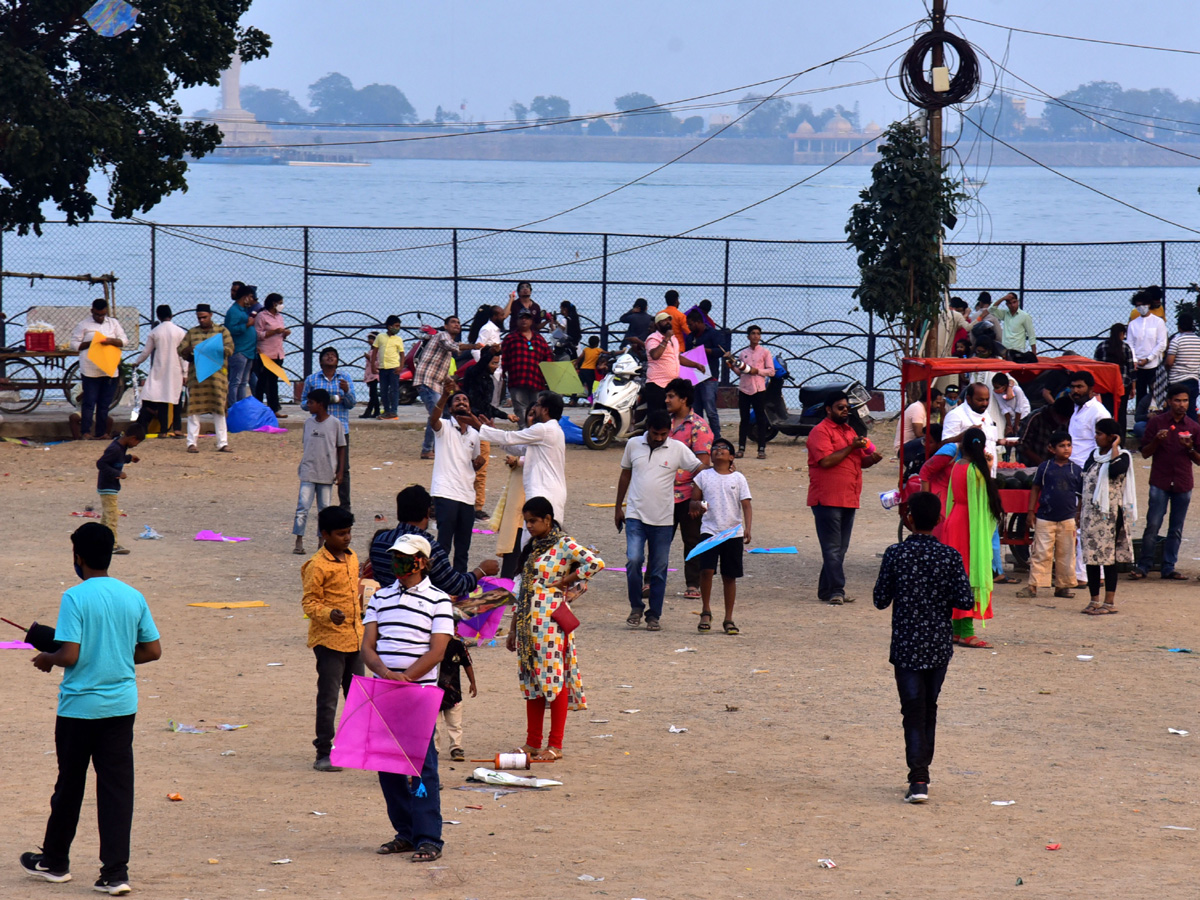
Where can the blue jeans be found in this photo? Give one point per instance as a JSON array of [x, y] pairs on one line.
[[417, 820], [637, 536], [834, 526], [95, 402], [429, 397], [1155, 512], [389, 387], [308, 490], [239, 378], [919, 689], [706, 404]]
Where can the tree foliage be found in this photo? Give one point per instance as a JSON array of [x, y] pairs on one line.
[[896, 227], [644, 123], [72, 102], [335, 99], [273, 105], [552, 110]]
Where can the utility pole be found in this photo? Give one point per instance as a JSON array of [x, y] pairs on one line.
[[938, 23]]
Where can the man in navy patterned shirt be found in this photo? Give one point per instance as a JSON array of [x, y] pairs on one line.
[[923, 580]]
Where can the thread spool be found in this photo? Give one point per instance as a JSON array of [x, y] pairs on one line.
[[505, 761]]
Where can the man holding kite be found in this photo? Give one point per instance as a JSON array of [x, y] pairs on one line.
[[207, 347]]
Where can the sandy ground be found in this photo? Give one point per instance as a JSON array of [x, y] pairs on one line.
[[793, 752]]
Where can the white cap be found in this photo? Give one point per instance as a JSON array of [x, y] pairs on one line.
[[411, 545]]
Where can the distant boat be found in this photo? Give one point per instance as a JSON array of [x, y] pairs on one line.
[[247, 157], [318, 162], [970, 182]]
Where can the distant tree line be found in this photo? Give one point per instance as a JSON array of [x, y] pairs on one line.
[[1097, 111]]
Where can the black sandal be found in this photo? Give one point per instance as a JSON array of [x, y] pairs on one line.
[[729, 627], [427, 852], [395, 846], [705, 626], [741, 452]]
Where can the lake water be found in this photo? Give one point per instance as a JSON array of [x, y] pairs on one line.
[[1015, 204], [801, 294]]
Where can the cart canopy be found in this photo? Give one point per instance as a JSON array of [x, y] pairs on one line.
[[1107, 375]]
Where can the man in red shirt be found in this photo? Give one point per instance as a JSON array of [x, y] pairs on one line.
[[836, 458], [522, 349]]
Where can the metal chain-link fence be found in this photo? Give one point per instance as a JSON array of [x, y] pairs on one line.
[[339, 284]]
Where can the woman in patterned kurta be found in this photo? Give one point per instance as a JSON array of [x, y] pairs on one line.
[[553, 571]]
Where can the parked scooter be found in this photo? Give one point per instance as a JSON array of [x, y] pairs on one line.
[[617, 409], [812, 397]]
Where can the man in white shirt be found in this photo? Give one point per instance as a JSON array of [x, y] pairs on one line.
[[1147, 336], [99, 388], [647, 483], [1088, 411], [456, 460], [168, 373], [972, 412], [544, 463]]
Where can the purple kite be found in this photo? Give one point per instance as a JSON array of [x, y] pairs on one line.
[[695, 376], [483, 626], [386, 726], [108, 18]]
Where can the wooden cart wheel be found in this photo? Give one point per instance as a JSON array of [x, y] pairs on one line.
[[21, 386], [72, 386]]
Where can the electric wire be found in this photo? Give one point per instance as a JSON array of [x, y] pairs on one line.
[[1072, 37]]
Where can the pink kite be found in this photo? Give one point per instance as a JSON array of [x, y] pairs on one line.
[[386, 726], [695, 376], [207, 535], [483, 626], [21, 645], [494, 583]]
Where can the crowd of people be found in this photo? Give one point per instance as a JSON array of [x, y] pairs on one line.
[[678, 478]]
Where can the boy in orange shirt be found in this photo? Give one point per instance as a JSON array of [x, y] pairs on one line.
[[335, 629]]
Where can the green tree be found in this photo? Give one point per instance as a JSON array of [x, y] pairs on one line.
[[73, 102], [333, 98], [382, 103], [552, 110], [692, 125], [767, 120], [647, 122], [520, 112], [1066, 124], [273, 105], [600, 128], [897, 229]]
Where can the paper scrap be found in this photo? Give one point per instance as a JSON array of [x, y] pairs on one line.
[[590, 878], [175, 798], [280, 862], [1003, 802], [1054, 846], [1085, 658], [1177, 731], [598, 721], [675, 730], [630, 711], [315, 813], [826, 863], [180, 728], [230, 604], [1178, 828], [774, 550], [686, 650], [207, 535]]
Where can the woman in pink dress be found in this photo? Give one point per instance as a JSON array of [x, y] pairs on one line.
[[972, 510]]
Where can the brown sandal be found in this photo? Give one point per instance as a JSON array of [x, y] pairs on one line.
[[1087, 610], [550, 754], [1065, 593], [1105, 609]]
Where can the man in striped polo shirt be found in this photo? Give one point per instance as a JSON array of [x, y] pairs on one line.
[[407, 627], [1183, 359]]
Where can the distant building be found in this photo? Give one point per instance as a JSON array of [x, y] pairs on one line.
[[238, 126], [812, 147], [719, 120]]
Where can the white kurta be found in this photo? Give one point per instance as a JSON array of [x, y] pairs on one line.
[[1147, 335], [545, 451], [168, 370], [87, 331], [963, 417]]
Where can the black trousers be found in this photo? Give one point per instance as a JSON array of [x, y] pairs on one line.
[[1145, 381], [655, 397], [344, 487], [691, 537], [372, 410], [919, 689], [455, 521], [266, 388], [168, 419], [335, 671], [757, 402], [107, 745]]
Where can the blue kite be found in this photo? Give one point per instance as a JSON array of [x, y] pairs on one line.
[[108, 18], [209, 357]]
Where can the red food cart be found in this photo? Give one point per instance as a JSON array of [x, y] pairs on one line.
[[917, 369]]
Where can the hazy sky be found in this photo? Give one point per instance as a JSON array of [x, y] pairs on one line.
[[491, 54]]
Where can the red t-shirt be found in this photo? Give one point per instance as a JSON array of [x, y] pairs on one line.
[[840, 485]]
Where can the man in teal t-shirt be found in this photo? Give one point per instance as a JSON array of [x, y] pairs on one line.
[[104, 629]]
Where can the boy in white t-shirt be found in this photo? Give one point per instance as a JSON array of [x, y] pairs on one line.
[[728, 505]]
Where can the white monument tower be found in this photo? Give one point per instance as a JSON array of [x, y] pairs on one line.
[[238, 125]]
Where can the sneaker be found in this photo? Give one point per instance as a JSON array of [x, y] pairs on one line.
[[120, 551], [457, 754], [33, 865], [652, 624], [114, 887], [918, 792], [634, 620], [323, 764]]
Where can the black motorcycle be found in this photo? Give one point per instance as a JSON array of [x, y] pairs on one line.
[[812, 397]]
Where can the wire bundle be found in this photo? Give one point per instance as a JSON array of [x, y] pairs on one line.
[[917, 88]]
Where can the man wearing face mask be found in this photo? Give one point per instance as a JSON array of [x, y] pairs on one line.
[[1147, 336]]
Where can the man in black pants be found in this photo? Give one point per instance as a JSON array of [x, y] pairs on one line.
[[104, 629]]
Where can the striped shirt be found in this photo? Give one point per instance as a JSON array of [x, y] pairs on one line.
[[1185, 347], [407, 621]]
